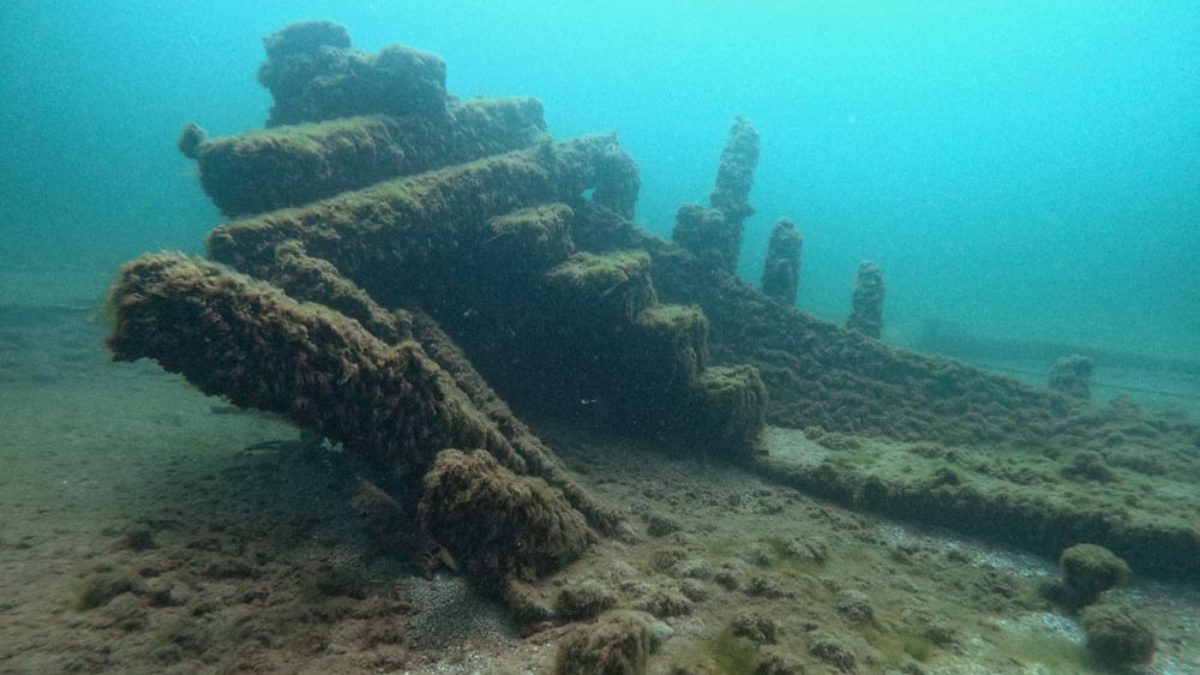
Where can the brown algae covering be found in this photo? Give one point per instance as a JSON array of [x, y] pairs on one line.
[[781, 270], [293, 165], [429, 261]]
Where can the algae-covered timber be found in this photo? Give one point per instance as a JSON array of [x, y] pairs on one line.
[[820, 374], [390, 404], [829, 380], [1019, 497], [602, 290], [313, 280], [292, 165], [422, 222], [731, 191], [531, 528], [866, 313], [705, 233], [246, 340], [445, 239], [314, 74], [526, 242], [781, 269]]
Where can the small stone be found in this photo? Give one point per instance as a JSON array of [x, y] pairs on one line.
[[342, 581], [759, 554], [693, 590], [694, 569], [807, 550], [659, 525], [727, 580], [855, 606], [766, 588], [126, 612], [137, 538], [618, 642], [664, 603], [771, 661], [834, 653], [100, 589], [755, 627], [662, 632], [584, 601]]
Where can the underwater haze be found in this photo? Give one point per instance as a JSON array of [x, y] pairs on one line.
[[1022, 169]]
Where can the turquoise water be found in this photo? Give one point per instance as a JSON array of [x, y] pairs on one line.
[[1024, 169]]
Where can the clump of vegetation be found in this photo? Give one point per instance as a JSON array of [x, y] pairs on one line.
[[618, 643], [772, 661], [838, 441], [98, 590], [660, 525], [733, 654], [855, 606], [584, 601], [525, 603], [342, 581], [136, 538], [834, 652], [1089, 570], [755, 626], [805, 553], [666, 602], [1089, 466], [125, 612], [1118, 637]]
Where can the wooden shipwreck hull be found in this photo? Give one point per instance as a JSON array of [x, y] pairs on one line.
[[404, 264]]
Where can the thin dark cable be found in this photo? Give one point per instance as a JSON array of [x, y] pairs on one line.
[[1118, 387]]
